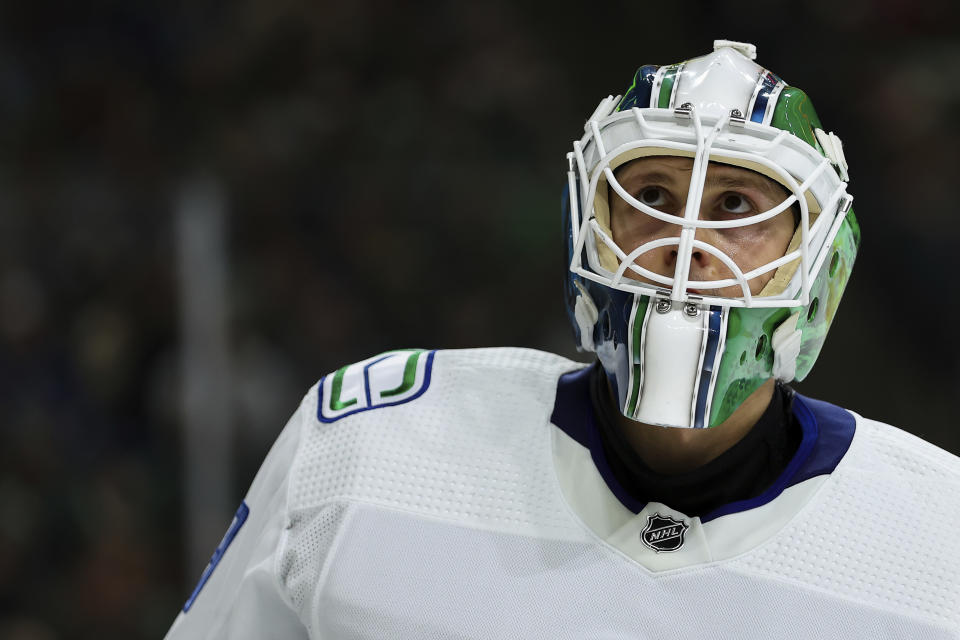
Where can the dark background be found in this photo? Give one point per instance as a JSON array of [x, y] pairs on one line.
[[391, 176]]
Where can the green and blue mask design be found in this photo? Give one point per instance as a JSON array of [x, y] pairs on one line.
[[745, 342]]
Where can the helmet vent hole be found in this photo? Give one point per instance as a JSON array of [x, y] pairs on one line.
[[761, 346], [834, 263], [812, 312], [743, 357]]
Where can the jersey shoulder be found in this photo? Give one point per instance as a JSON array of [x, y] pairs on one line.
[[460, 435], [880, 529], [402, 376], [902, 453]]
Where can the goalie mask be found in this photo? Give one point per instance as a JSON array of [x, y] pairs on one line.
[[684, 344]]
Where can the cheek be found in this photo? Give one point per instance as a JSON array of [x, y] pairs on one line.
[[632, 229], [756, 245], [779, 235]]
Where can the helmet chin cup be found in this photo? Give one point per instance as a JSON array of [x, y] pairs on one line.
[[673, 349], [676, 349]]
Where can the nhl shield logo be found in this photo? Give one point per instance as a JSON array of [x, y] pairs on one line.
[[663, 533]]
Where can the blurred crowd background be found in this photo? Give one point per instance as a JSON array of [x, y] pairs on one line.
[[387, 174]]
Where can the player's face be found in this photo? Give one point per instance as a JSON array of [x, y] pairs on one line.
[[729, 193]]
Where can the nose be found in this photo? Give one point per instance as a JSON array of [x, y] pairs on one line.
[[700, 259]]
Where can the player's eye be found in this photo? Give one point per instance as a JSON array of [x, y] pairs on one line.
[[735, 203], [652, 196]]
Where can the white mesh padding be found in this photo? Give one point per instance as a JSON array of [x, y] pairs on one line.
[[883, 530], [310, 535]]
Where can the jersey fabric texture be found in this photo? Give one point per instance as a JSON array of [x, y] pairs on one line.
[[462, 494]]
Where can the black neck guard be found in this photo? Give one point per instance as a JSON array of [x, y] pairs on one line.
[[741, 472]]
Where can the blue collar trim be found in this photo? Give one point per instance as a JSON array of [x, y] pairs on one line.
[[827, 433]]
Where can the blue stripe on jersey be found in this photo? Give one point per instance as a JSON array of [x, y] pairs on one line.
[[572, 409], [827, 433], [238, 520], [573, 413]]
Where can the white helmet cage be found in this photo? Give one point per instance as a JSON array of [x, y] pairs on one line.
[[614, 138]]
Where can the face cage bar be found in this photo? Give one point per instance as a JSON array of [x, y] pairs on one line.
[[690, 223]]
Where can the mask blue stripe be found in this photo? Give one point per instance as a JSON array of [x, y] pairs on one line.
[[769, 82], [709, 362], [638, 95]]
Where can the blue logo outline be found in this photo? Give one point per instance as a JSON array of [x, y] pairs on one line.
[[428, 370]]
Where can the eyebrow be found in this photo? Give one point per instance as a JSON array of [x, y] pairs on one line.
[[723, 180], [755, 180], [651, 176]]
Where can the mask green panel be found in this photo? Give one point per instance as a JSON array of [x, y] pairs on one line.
[[747, 360], [795, 113], [826, 292], [666, 88]]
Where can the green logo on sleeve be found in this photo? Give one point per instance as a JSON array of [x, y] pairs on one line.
[[385, 380]]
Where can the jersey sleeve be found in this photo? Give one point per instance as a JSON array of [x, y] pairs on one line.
[[239, 595]]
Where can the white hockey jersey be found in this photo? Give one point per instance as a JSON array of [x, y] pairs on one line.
[[464, 494]]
